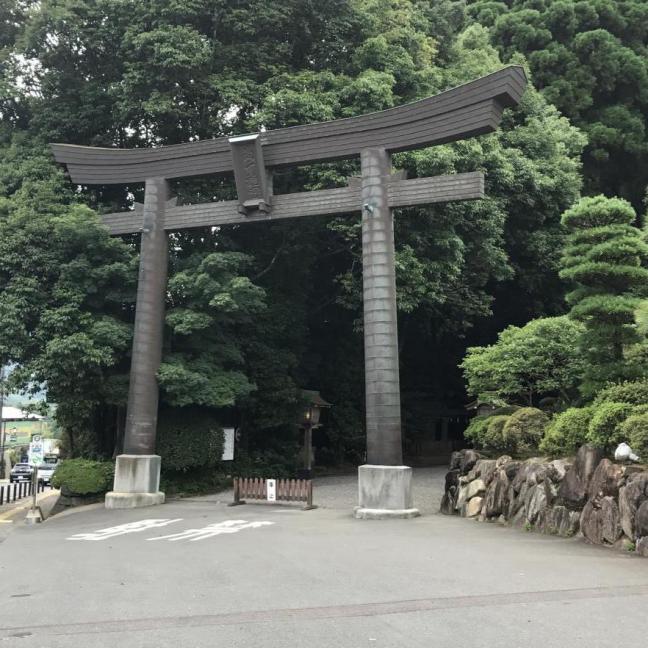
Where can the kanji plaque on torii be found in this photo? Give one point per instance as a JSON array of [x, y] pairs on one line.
[[468, 110]]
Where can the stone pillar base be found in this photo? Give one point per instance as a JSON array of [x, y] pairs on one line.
[[385, 492], [137, 482]]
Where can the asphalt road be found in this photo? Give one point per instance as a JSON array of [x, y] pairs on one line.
[[198, 573]]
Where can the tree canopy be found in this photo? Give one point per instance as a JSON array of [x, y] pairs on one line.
[[589, 58], [256, 312]]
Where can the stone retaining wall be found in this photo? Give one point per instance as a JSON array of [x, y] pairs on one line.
[[588, 495]]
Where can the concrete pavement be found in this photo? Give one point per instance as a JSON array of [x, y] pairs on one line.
[[198, 573]]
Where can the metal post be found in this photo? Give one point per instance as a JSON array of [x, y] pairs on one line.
[[380, 325], [308, 449], [141, 416]]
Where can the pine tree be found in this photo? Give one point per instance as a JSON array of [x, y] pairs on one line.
[[602, 257]]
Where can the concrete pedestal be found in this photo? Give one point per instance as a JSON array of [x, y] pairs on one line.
[[385, 492], [137, 482]]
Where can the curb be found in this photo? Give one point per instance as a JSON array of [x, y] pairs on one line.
[[6, 517]]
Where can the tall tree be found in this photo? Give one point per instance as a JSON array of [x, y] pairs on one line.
[[590, 59], [603, 258]]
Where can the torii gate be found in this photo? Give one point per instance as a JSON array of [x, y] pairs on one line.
[[468, 110]]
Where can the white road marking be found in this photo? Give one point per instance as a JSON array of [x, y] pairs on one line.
[[212, 530], [123, 529]]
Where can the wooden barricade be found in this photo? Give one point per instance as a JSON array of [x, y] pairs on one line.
[[285, 490]]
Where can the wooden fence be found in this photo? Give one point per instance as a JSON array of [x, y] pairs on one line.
[[12, 492], [273, 490]]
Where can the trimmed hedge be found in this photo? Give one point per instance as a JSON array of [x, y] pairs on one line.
[[189, 438], [493, 440], [604, 427], [81, 477], [524, 429], [634, 431], [567, 431], [634, 392]]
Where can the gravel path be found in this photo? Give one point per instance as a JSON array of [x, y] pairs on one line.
[[340, 492]]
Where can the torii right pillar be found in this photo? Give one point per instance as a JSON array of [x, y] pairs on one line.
[[384, 484]]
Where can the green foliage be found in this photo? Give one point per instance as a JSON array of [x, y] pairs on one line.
[[634, 392], [65, 285], [589, 59], [524, 430], [604, 427], [602, 259], [79, 477], [201, 481], [287, 312], [634, 431], [268, 464], [189, 438], [566, 432], [493, 440], [528, 363], [476, 430]]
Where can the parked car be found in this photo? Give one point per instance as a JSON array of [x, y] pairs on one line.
[[21, 472], [45, 472]]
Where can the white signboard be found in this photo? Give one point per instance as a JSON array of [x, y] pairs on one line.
[[228, 444], [271, 490], [36, 453]]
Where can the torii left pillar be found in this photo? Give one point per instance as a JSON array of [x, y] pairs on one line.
[[137, 471]]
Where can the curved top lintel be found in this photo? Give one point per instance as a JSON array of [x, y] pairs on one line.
[[465, 111]]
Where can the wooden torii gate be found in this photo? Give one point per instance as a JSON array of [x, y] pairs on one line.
[[466, 111]]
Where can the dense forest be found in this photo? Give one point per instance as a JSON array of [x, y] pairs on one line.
[[255, 313]]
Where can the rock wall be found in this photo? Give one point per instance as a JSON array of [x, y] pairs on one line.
[[588, 495]]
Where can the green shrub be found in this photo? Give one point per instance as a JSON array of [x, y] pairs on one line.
[[493, 440], [603, 430], [196, 482], [634, 392], [634, 430], [189, 438], [567, 431], [476, 430], [524, 429], [267, 464], [77, 477]]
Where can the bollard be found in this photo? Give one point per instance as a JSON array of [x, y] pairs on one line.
[[35, 515]]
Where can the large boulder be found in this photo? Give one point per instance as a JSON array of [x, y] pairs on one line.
[[468, 461], [641, 520], [517, 500], [610, 520], [601, 521], [473, 507], [605, 480], [497, 495], [449, 501], [574, 487], [590, 524], [642, 547], [451, 479], [536, 501], [484, 470], [474, 488], [455, 460], [631, 497], [511, 469], [559, 520], [558, 469], [461, 497]]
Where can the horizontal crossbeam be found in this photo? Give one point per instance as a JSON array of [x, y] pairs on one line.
[[467, 110], [402, 193]]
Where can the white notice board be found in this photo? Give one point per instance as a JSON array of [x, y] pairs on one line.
[[228, 444], [271, 485]]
